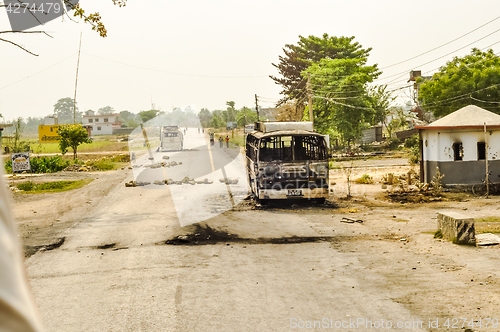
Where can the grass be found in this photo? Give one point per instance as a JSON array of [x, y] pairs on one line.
[[95, 146], [487, 225], [107, 164], [438, 234], [51, 187], [335, 166]]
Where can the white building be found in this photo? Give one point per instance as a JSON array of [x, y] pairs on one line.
[[101, 124], [456, 144]]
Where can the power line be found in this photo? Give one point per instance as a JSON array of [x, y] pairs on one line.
[[468, 33], [38, 72], [175, 73], [461, 48], [460, 96], [484, 101]]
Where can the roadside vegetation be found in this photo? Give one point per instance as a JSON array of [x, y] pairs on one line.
[[51, 187]]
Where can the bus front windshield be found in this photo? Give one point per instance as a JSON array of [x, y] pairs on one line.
[[292, 148]]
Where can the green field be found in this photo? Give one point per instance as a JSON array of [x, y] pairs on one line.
[[95, 146]]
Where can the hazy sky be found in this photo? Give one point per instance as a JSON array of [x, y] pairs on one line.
[[204, 53]]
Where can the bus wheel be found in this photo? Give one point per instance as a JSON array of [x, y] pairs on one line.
[[320, 200]]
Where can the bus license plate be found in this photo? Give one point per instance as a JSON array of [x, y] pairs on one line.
[[294, 192]]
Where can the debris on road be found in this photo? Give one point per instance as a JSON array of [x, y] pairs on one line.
[[487, 239], [229, 181], [350, 221]]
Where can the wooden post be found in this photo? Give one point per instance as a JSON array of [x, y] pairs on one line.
[[309, 92], [486, 160]]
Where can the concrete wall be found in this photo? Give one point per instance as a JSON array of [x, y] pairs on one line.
[[106, 129], [438, 152], [462, 172]]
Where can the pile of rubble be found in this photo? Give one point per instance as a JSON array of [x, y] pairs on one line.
[[161, 164], [78, 168], [229, 181], [186, 180]]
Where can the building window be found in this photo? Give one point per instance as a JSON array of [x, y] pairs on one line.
[[97, 120], [105, 119], [458, 151], [481, 150], [98, 128], [91, 120]]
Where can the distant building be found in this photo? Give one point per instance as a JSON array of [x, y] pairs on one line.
[[50, 121], [101, 124], [457, 144]]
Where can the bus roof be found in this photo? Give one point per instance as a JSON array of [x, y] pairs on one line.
[[259, 134], [271, 126]]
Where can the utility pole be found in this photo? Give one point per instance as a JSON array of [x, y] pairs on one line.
[[487, 180], [76, 80], [309, 93], [257, 107]]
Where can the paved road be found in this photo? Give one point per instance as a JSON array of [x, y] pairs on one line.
[[128, 265]]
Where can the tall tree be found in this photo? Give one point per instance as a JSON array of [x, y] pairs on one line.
[[245, 116], [476, 75], [342, 105], [148, 115], [205, 117], [106, 110], [309, 50], [380, 100], [63, 110]]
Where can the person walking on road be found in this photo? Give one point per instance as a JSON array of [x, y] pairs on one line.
[[227, 141], [221, 141]]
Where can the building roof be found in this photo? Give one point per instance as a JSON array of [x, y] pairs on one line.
[[101, 115], [470, 116]]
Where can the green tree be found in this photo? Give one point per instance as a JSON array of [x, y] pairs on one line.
[[148, 115], [17, 144], [217, 119], [310, 50], [71, 136], [106, 110], [63, 110], [474, 75], [342, 105], [205, 117], [245, 116], [380, 100]]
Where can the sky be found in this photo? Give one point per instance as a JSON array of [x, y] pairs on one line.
[[204, 53]]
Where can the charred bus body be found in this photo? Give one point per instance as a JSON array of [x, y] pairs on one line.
[[287, 160], [171, 138]]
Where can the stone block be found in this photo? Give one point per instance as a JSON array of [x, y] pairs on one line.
[[457, 227]]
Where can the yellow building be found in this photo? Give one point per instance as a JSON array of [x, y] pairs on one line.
[[48, 133]]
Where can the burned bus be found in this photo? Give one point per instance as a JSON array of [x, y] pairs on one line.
[[171, 138], [287, 160]]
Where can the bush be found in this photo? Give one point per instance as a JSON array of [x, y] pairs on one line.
[[48, 164], [413, 146], [411, 141], [365, 179], [42, 164], [103, 164], [393, 143]]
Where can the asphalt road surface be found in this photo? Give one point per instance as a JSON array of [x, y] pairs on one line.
[[173, 258]]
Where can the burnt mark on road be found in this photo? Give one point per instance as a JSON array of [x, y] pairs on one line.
[[205, 235], [105, 246], [31, 250]]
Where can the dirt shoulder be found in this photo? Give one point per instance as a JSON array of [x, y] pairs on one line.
[[41, 218]]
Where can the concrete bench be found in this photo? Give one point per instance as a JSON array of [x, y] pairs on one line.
[[457, 227]]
